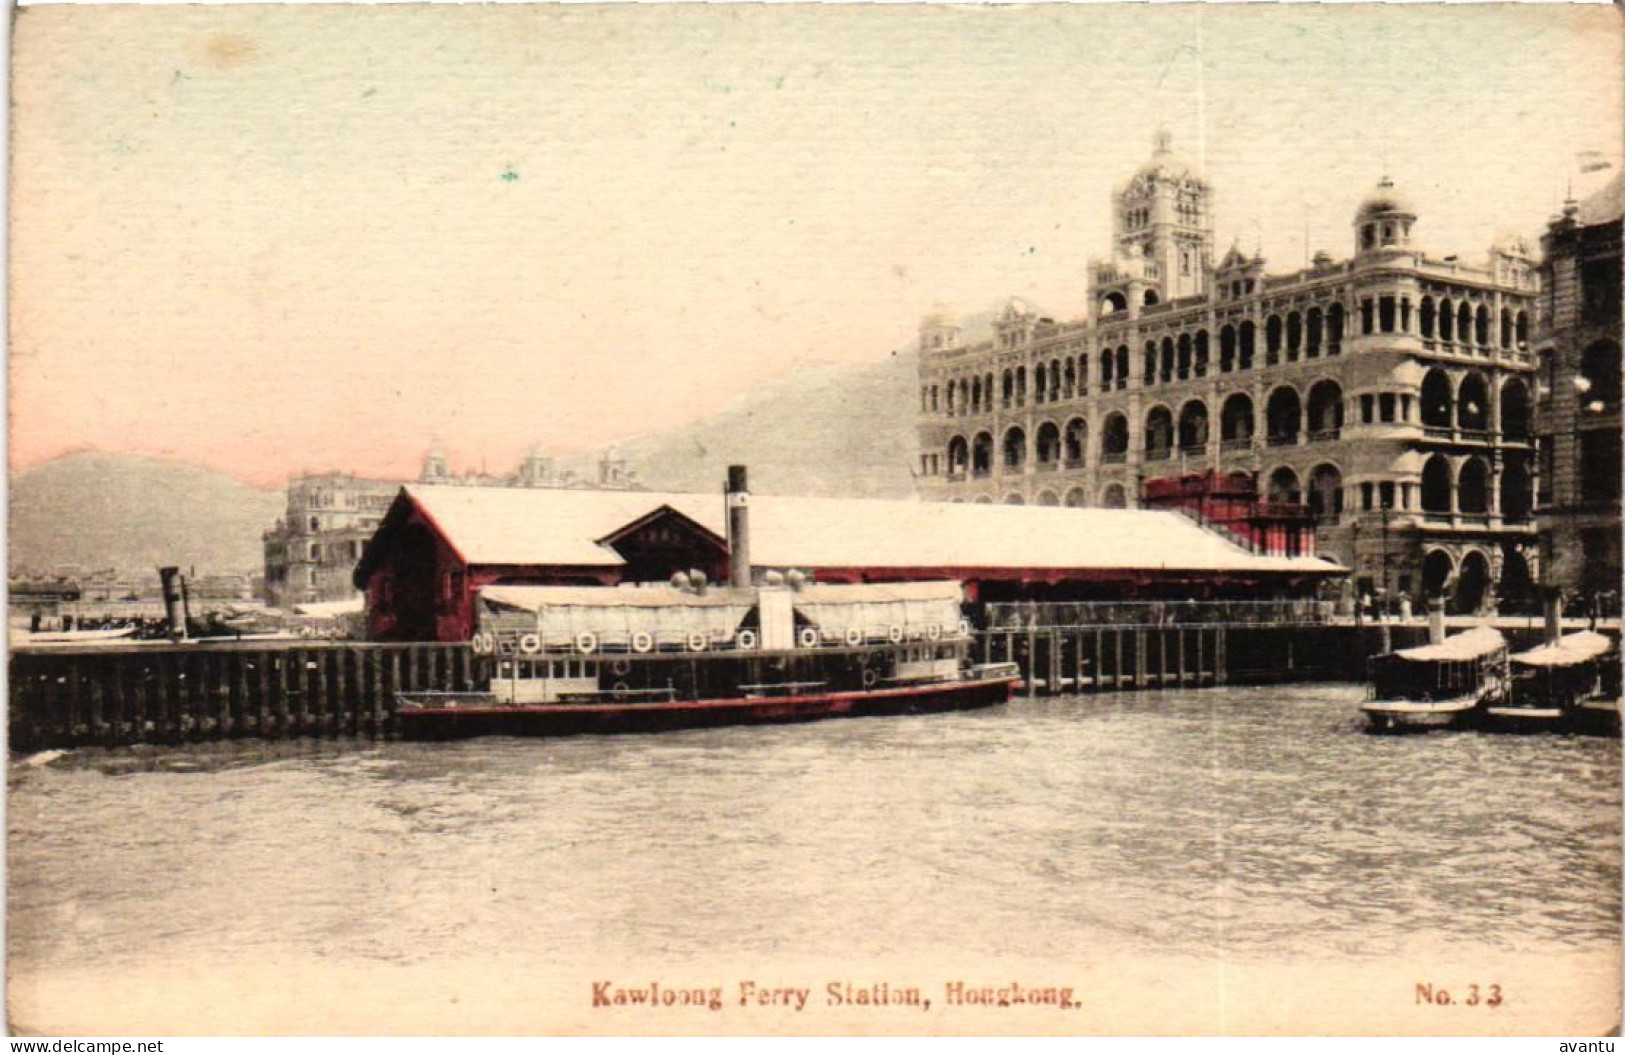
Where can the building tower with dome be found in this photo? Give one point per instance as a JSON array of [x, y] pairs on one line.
[[1384, 398]]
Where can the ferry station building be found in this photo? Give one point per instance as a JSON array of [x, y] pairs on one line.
[[437, 546], [1388, 394]]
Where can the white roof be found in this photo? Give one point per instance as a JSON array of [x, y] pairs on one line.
[[561, 527], [1469, 644], [1568, 650]]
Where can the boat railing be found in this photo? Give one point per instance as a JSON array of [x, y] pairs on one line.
[[781, 688], [1045, 615]]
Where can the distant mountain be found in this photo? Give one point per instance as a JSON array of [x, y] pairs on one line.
[[820, 430], [120, 511]]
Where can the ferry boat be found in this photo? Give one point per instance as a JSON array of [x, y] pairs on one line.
[[1446, 683], [1572, 682], [636, 658]]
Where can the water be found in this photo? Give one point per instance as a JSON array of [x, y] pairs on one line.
[[1237, 825]]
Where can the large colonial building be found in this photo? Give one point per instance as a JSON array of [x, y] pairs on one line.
[[1389, 393], [1578, 412]]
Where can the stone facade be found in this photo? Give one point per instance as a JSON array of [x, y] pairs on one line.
[[1578, 413], [312, 550], [1391, 392]]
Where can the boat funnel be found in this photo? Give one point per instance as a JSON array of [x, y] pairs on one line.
[[738, 500], [1435, 620], [174, 607], [1552, 610]]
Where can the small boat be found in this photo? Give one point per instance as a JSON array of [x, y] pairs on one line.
[[1438, 685], [564, 660], [1570, 683]]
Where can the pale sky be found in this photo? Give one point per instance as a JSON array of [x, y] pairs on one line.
[[272, 239]]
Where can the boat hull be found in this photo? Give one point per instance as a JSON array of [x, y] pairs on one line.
[[1393, 716], [481, 716]]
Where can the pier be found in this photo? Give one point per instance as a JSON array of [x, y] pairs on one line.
[[116, 695]]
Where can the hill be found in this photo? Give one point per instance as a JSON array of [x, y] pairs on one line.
[[104, 510], [820, 430]]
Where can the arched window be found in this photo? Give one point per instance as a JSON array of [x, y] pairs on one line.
[[1227, 349], [958, 455], [1069, 379], [1236, 421], [1149, 375], [981, 454], [1193, 427], [1113, 303], [1312, 338], [1122, 367], [1426, 319], [1283, 487], [1074, 498], [1114, 438], [1515, 411], [1283, 416], [1294, 336], [1522, 323], [1473, 582], [1014, 499], [1473, 487], [1015, 447], [1272, 340], [1464, 322], [1201, 353], [1167, 359], [1184, 359], [1326, 493], [1048, 498], [1506, 327], [1248, 339], [1114, 497], [1517, 489], [1325, 410], [1334, 328], [1150, 297], [1447, 320], [1436, 485], [1159, 433], [1075, 441], [1438, 401], [1048, 443], [1106, 372], [1437, 568], [1473, 403], [1481, 328]]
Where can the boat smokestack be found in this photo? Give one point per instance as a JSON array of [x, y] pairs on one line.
[[1435, 620], [1552, 610], [738, 499], [174, 606]]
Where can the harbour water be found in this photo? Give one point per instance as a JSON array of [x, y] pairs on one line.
[[1261, 829]]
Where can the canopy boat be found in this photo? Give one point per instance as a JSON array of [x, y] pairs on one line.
[[565, 660], [1439, 684], [1568, 683]]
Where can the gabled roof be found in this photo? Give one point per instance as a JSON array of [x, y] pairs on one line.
[[519, 526]]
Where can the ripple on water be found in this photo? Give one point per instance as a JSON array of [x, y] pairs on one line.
[[1240, 820]]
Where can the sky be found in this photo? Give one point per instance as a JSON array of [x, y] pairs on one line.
[[275, 239]]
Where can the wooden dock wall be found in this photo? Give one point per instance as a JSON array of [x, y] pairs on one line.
[[170, 695], [179, 694]]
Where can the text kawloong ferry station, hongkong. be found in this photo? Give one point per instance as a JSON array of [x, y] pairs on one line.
[[1388, 467]]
